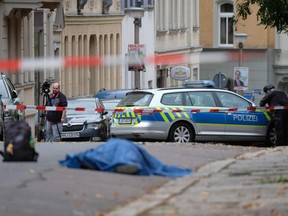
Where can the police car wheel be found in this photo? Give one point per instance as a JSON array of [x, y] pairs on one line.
[[271, 136], [181, 133]]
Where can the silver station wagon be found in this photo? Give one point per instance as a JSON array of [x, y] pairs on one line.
[[187, 115]]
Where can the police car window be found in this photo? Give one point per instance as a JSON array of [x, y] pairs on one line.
[[136, 99], [202, 99], [187, 100], [176, 99], [232, 101]]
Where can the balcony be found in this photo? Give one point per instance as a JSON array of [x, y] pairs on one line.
[[27, 5]]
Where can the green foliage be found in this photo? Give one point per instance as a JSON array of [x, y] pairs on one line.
[[271, 13], [275, 180]]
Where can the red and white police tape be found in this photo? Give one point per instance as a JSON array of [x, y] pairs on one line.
[[139, 110], [113, 60], [50, 108], [202, 109], [58, 62]]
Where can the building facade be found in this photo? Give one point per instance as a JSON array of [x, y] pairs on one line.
[[280, 67], [138, 31], [177, 32], [91, 31], [17, 35], [262, 52]]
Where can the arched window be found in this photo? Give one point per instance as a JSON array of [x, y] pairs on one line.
[[226, 26]]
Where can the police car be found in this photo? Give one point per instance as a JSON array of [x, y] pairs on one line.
[[191, 114]]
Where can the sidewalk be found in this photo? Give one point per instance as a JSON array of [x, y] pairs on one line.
[[251, 184]]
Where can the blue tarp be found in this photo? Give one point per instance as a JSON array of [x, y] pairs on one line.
[[117, 152]]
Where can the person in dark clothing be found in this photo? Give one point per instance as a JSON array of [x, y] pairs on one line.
[[55, 119], [275, 97]]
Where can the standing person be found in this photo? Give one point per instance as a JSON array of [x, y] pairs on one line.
[[275, 97], [55, 119], [237, 81]]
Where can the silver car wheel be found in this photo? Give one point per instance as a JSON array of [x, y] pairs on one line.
[[181, 133]]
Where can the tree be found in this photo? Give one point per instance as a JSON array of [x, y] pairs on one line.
[[271, 13]]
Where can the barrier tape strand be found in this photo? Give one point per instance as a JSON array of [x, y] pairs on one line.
[[139, 111]]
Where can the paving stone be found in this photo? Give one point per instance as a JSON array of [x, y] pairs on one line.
[[252, 184]]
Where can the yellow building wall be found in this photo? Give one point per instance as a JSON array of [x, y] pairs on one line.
[[206, 23], [258, 35]]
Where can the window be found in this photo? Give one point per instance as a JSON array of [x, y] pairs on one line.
[[232, 101], [136, 99], [3, 89], [137, 3], [176, 99], [202, 99], [89, 105], [226, 26], [172, 99]]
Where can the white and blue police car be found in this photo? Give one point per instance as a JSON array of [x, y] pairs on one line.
[[191, 114]]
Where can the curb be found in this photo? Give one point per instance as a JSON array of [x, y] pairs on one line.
[[159, 196], [176, 187]]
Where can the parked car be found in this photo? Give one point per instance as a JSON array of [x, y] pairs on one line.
[[86, 125], [191, 114], [110, 105], [112, 93], [9, 96]]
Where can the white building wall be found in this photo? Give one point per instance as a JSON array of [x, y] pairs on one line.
[[177, 32], [281, 63], [282, 43], [128, 31], [148, 77], [147, 37]]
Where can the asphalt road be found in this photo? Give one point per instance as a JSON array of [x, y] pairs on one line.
[[46, 188]]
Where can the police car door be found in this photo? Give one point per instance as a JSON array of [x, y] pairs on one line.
[[208, 123], [242, 121]]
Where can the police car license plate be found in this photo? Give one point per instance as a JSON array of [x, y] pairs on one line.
[[125, 121], [70, 135]]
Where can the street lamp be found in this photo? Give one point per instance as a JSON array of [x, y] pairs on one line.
[[240, 38], [137, 13]]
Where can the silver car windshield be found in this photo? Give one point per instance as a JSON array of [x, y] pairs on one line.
[[110, 105], [89, 106], [3, 90], [136, 99]]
